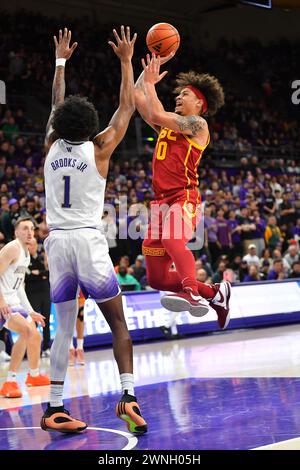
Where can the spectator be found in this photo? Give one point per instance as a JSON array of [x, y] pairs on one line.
[[295, 272], [276, 273], [223, 233], [292, 255], [127, 281], [253, 274], [9, 218], [266, 256], [210, 234], [201, 275], [296, 230], [137, 269], [272, 234], [218, 276], [269, 206], [287, 211], [264, 271], [235, 230], [38, 291], [251, 258]]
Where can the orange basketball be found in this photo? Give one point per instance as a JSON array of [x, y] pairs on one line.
[[162, 39]]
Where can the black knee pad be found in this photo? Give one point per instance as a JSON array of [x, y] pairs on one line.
[[80, 314]]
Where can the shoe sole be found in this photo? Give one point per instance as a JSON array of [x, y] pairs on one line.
[[8, 396], [44, 427], [41, 385], [178, 304], [132, 427]]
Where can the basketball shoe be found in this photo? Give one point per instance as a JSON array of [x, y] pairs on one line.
[[10, 389], [128, 410], [186, 300], [220, 303], [59, 419], [38, 381]]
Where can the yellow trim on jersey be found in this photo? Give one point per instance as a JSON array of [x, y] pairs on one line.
[[200, 147], [185, 164]]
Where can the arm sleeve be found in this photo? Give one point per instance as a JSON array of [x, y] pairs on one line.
[[24, 300]]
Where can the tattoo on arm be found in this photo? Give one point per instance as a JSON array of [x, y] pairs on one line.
[[59, 86], [191, 123], [58, 94]]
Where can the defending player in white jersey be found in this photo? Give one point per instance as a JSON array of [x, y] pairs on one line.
[[75, 177], [16, 313]]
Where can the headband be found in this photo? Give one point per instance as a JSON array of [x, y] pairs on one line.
[[200, 96]]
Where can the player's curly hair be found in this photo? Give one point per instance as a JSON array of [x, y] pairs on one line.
[[75, 119], [209, 86]]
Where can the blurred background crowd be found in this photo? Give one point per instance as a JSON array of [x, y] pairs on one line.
[[249, 175]]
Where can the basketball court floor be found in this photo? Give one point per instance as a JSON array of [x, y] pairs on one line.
[[231, 390]]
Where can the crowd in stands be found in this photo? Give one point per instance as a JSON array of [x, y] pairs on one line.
[[252, 209]]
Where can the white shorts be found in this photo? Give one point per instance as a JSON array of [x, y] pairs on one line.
[[16, 310], [79, 258]]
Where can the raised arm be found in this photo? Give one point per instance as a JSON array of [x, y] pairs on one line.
[[190, 125], [63, 52], [109, 139], [141, 98]]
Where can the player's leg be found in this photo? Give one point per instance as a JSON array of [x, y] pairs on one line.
[[64, 291], [185, 216], [18, 324], [45, 310], [80, 336], [56, 417], [34, 377], [178, 228], [98, 280], [127, 409]]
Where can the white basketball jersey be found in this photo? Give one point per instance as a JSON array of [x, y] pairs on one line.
[[13, 277], [74, 188]]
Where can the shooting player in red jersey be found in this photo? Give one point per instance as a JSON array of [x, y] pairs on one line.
[[183, 136]]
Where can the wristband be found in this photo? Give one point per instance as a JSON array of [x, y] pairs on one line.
[[60, 62]]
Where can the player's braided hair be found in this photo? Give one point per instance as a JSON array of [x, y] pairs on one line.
[[75, 119], [209, 86]]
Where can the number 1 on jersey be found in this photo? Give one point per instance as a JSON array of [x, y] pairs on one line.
[[66, 204]]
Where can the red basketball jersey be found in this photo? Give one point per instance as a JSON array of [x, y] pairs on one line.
[[175, 162]]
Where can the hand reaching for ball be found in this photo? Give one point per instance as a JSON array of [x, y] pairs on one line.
[[152, 68]]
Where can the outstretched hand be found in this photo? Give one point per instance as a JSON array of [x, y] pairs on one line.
[[152, 69], [125, 46], [62, 45]]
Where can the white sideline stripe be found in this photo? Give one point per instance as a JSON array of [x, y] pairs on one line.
[[289, 444], [132, 440]]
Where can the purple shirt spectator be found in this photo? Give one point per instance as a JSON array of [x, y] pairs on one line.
[[223, 232], [210, 224], [272, 275], [235, 237]]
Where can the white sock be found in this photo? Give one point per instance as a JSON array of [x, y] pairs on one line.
[[127, 383], [174, 330], [80, 343], [56, 393], [71, 344], [11, 376], [34, 372]]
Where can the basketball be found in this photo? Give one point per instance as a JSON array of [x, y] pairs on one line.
[[162, 39]]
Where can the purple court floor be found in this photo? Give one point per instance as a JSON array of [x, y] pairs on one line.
[[221, 413]]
